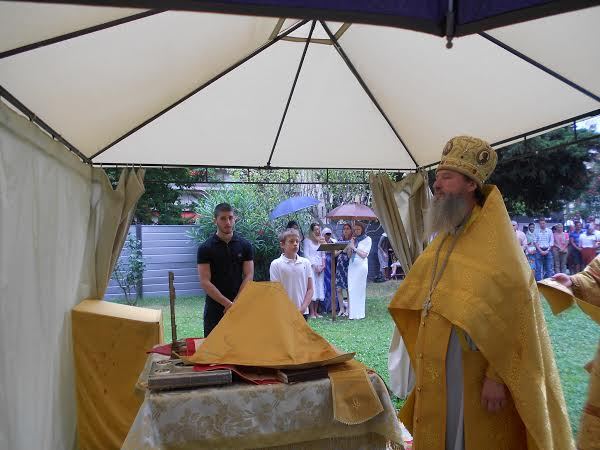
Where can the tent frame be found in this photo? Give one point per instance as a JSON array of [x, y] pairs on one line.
[[447, 27], [293, 88], [78, 33], [276, 35]]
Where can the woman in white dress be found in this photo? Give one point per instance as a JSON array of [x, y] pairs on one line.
[[317, 263], [358, 268]]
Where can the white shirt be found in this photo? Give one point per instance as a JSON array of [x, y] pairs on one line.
[[544, 238], [587, 240], [293, 274]]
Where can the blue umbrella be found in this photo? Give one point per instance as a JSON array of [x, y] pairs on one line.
[[292, 205]]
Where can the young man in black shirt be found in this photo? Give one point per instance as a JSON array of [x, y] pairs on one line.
[[225, 265]]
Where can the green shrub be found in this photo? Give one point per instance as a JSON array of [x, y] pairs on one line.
[[129, 270]]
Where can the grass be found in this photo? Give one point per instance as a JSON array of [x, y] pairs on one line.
[[574, 337]]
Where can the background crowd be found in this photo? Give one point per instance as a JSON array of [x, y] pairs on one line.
[[560, 248]]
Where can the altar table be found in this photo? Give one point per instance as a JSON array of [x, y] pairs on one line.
[[244, 416]]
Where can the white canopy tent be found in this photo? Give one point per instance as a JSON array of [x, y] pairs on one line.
[[124, 86], [148, 87]]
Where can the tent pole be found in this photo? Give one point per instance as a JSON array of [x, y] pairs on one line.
[[82, 32], [201, 87], [547, 127], [540, 66], [43, 125], [289, 100], [362, 83], [450, 24]]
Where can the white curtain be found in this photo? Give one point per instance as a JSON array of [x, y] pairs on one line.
[[111, 215], [44, 215], [400, 208], [62, 226]]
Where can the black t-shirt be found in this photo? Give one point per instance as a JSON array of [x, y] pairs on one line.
[[226, 263]]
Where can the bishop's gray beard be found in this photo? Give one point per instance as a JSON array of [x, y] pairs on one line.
[[445, 214]]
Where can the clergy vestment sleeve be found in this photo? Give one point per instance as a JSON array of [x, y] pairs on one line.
[[586, 284], [492, 375]]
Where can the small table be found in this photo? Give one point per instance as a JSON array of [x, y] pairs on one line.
[[247, 416]]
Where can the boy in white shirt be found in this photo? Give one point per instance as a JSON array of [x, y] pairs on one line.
[[293, 272]]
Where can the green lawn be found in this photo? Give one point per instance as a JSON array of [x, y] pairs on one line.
[[573, 335]]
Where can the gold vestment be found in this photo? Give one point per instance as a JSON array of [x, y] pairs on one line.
[[488, 292], [586, 293]]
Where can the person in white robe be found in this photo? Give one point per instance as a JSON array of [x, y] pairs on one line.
[[358, 269]]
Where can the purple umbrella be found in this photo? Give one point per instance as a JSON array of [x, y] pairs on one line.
[[291, 205]]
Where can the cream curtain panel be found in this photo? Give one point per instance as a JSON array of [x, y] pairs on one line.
[[62, 227], [111, 214], [400, 207], [44, 218]]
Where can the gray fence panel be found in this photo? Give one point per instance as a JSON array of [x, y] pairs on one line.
[[178, 280], [154, 259], [164, 272], [186, 250], [160, 243], [165, 248]]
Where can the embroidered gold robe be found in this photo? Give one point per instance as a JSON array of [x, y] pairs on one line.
[[487, 292], [586, 290]]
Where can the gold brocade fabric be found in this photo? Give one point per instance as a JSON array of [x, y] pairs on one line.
[[264, 328], [487, 290], [586, 293], [354, 398], [109, 345], [242, 416], [586, 284], [589, 428]]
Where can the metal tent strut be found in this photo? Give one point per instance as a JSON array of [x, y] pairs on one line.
[[75, 34], [538, 131], [362, 83], [43, 125], [201, 87], [540, 66], [89, 160], [592, 113], [289, 100]]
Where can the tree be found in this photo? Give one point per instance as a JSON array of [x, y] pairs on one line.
[[161, 196], [541, 175], [129, 269], [588, 204]]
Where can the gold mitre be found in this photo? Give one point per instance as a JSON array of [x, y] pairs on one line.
[[470, 156]]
